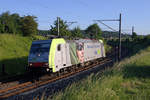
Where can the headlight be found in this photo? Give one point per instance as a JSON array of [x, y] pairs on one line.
[[30, 64]]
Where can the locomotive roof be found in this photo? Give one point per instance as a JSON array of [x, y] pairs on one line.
[[79, 40], [83, 40], [41, 41]]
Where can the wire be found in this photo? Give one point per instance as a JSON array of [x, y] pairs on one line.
[[107, 26]]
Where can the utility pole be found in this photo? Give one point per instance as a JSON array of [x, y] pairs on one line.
[[132, 32], [58, 26], [96, 32], [119, 56], [119, 20], [132, 29]]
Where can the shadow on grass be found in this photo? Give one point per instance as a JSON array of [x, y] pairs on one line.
[[136, 71], [13, 66]]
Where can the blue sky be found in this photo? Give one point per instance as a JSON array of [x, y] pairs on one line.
[[134, 12]]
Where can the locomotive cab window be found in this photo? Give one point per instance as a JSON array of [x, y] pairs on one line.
[[59, 47]]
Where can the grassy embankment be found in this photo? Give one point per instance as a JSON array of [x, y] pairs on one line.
[[14, 50], [127, 80]]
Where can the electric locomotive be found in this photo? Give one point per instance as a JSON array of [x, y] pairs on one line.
[[58, 53]]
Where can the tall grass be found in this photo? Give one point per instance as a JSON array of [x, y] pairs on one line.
[[127, 80]]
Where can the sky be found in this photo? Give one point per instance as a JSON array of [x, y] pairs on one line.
[[134, 12]]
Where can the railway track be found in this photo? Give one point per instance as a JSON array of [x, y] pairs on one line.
[[20, 88]]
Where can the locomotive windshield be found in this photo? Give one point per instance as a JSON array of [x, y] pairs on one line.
[[40, 48], [39, 51]]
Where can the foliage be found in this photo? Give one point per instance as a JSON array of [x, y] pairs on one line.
[[14, 24], [29, 25], [147, 38], [63, 28], [111, 34], [94, 31], [43, 32], [76, 33], [9, 23], [134, 35], [132, 45]]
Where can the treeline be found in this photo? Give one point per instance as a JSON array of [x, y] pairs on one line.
[[15, 24], [111, 34], [27, 26], [92, 31]]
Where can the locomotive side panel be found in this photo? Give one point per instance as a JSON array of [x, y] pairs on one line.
[[58, 57], [68, 60], [73, 53], [103, 49], [62, 56], [92, 51]]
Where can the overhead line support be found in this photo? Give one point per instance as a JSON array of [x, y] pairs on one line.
[[119, 45]]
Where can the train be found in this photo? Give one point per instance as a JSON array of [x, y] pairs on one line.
[[55, 54]]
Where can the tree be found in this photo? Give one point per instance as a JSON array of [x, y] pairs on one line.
[[94, 31], [29, 25], [10, 23], [134, 35], [1, 26], [16, 20], [6, 22], [14, 24], [76, 33], [63, 28]]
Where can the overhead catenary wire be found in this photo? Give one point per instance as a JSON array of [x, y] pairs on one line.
[[70, 23], [106, 25]]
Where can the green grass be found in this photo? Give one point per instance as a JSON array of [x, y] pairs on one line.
[[127, 80], [14, 50]]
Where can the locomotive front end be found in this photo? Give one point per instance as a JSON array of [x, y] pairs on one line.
[[39, 54]]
